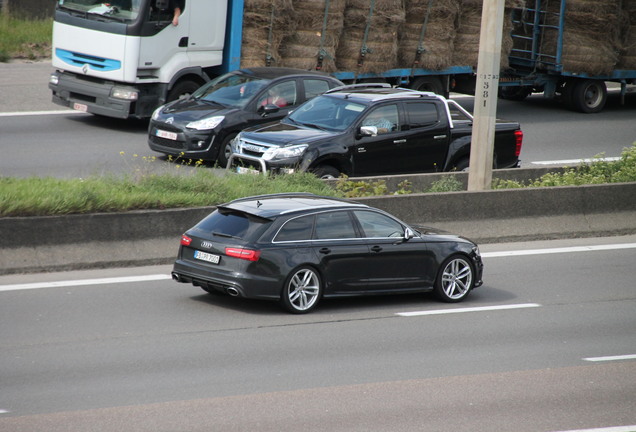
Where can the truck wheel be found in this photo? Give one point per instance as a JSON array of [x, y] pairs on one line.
[[588, 96], [429, 83], [461, 165], [326, 172], [514, 93], [182, 89]]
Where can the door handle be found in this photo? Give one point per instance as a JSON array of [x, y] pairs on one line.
[[376, 249], [325, 251], [439, 137], [400, 141]]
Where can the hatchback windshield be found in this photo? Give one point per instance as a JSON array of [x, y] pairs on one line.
[[327, 112], [234, 90]]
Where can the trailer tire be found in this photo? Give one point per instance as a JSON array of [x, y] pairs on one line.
[[587, 96], [182, 89], [428, 83], [514, 93]]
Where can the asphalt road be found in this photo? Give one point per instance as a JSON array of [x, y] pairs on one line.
[[154, 355], [43, 139]]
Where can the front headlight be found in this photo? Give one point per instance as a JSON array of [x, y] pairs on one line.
[[206, 123], [285, 152], [54, 79], [124, 93], [156, 112]]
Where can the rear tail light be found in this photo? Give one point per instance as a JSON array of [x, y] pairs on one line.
[[185, 240], [518, 142], [246, 254]]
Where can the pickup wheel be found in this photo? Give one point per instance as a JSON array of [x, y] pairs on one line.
[[326, 172], [461, 165]]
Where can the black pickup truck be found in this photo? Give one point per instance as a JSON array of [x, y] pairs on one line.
[[370, 130]]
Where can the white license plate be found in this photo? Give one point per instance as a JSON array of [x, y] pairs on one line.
[[80, 107], [243, 170], [204, 256], [167, 135]]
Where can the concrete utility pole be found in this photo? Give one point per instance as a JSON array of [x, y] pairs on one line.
[[481, 152]]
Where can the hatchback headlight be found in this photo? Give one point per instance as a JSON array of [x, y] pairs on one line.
[[206, 123], [156, 112], [285, 152]]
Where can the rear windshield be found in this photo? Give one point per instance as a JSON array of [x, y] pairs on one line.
[[232, 223]]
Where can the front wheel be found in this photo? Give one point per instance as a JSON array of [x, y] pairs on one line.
[[455, 279], [302, 291], [225, 150], [182, 89], [326, 172]]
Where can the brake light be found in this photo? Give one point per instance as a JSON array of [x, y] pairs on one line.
[[246, 254], [518, 142], [185, 240]]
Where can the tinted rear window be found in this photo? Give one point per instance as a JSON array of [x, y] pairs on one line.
[[232, 223]]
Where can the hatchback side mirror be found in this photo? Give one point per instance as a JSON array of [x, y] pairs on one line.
[[268, 109]]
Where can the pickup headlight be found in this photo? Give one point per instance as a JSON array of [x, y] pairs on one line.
[[206, 123], [285, 152]]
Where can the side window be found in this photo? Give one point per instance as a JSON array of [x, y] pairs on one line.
[[334, 225], [385, 118], [282, 95], [315, 87], [377, 225], [422, 114], [296, 229]]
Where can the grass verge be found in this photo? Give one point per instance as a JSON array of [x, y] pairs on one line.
[[24, 39]]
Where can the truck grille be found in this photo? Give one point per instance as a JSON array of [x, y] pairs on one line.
[[253, 148]]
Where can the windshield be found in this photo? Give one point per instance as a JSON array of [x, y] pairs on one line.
[[327, 112], [118, 10], [233, 90]]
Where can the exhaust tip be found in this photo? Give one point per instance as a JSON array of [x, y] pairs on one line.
[[232, 291], [176, 277]]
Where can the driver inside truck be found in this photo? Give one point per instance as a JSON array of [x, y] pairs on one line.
[[167, 9]]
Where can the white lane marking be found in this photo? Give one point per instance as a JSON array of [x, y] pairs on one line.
[[559, 250], [3, 411], [125, 279], [611, 358], [631, 428], [575, 161], [471, 309], [35, 113]]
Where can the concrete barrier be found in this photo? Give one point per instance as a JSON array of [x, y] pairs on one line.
[[52, 243]]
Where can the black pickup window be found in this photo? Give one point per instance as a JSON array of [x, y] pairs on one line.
[[422, 114]]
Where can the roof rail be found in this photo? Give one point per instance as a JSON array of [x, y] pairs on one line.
[[359, 86]]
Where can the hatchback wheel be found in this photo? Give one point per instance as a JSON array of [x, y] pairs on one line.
[[455, 279], [302, 291]]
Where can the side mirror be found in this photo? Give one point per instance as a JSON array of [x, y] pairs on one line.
[[268, 109], [368, 131], [408, 234]]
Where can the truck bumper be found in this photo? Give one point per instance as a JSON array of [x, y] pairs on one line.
[[90, 95]]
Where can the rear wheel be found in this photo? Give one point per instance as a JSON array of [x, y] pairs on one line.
[[455, 279], [302, 291], [588, 96], [514, 93]]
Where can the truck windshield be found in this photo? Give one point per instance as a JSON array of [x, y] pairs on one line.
[[327, 113], [233, 90], [118, 10]]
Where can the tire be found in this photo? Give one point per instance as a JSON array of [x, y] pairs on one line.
[[326, 172], [182, 89], [588, 96], [225, 150], [461, 165], [455, 279], [302, 291], [514, 93], [432, 84]]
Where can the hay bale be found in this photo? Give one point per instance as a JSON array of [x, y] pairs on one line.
[[438, 38], [382, 39], [303, 48], [628, 40], [265, 24], [591, 41], [469, 28]]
